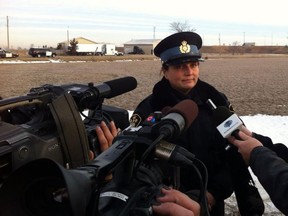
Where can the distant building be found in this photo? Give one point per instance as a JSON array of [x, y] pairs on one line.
[[146, 45], [249, 44], [81, 40]]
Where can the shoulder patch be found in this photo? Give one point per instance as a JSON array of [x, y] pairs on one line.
[[135, 120]]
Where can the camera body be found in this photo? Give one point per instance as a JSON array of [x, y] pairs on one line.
[[20, 144], [45, 123], [42, 134], [35, 130]]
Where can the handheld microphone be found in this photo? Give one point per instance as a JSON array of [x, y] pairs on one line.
[[173, 153], [178, 119], [227, 123]]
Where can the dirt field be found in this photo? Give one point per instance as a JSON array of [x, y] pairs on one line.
[[253, 85]]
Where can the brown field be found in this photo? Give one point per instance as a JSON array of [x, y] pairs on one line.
[[254, 85]]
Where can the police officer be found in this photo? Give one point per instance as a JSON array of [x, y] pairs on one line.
[[180, 59]]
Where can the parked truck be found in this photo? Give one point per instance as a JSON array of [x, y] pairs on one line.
[[96, 49], [89, 49], [109, 49], [134, 50]]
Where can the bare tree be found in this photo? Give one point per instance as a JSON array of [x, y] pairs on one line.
[[180, 26], [59, 46], [235, 47]]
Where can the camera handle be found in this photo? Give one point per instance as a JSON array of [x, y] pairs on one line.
[[73, 138]]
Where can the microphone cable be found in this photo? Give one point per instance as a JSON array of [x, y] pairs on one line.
[[203, 184], [148, 151], [203, 179]]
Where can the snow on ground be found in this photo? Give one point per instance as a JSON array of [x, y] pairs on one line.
[[16, 61], [275, 127]]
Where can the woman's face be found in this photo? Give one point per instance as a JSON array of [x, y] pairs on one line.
[[183, 77]]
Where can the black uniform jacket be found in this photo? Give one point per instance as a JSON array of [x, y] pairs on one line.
[[202, 138]]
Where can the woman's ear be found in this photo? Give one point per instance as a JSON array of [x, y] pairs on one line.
[[164, 72], [165, 75]]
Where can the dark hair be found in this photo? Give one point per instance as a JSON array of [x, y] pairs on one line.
[[164, 67]]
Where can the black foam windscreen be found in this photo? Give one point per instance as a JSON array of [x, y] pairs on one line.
[[220, 114], [121, 86]]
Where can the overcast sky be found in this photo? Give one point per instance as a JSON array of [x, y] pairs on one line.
[[38, 22]]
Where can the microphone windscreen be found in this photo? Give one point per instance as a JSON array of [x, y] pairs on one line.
[[220, 114], [188, 109], [121, 86]]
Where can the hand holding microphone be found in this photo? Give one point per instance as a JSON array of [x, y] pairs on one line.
[[245, 144]]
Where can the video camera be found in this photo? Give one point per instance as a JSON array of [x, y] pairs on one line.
[[45, 186], [46, 123]]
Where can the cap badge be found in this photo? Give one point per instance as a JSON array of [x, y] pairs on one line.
[[184, 48]]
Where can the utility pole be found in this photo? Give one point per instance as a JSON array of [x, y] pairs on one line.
[[219, 39], [8, 44], [68, 35], [66, 48]]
